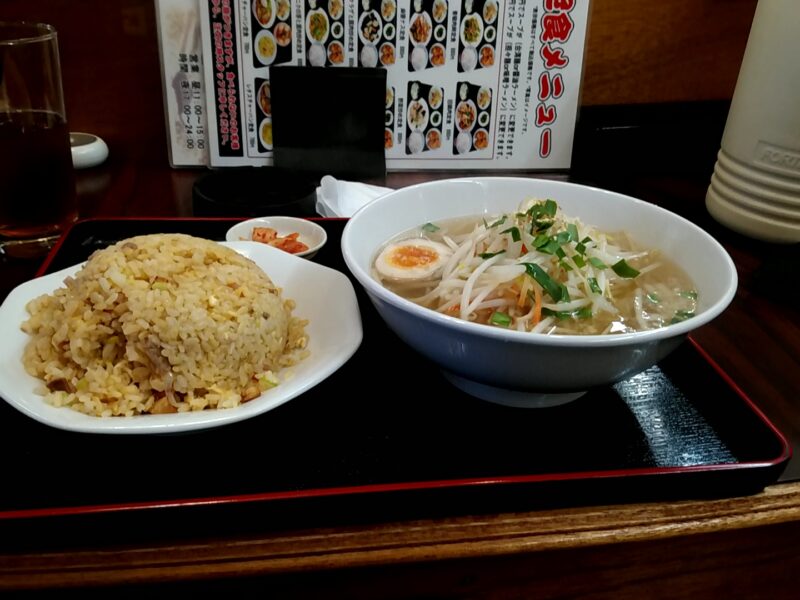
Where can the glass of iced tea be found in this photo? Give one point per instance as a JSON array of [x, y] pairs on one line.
[[37, 189]]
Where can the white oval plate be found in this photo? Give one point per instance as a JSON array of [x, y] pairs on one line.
[[324, 296], [311, 234]]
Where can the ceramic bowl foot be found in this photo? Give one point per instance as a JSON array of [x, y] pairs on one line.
[[510, 397]]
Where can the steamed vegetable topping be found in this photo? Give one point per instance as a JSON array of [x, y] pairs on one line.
[[539, 270]]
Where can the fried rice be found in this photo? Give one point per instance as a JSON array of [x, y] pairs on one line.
[[161, 323]]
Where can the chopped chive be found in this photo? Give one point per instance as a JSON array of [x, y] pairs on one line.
[[552, 287], [578, 260], [430, 227], [500, 318], [572, 230], [682, 315], [547, 208], [551, 247], [582, 313], [514, 231], [594, 286], [542, 215], [623, 269], [597, 263], [691, 294], [498, 222], [562, 237], [540, 240], [652, 297], [486, 255]]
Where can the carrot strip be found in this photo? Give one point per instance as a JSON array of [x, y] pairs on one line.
[[537, 309]]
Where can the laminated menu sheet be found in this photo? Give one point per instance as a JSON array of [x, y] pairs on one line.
[[471, 84]]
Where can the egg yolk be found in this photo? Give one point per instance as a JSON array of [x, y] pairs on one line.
[[413, 256]]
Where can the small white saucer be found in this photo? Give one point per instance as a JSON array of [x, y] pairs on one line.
[[311, 234]]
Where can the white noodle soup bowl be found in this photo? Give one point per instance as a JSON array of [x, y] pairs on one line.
[[525, 369]]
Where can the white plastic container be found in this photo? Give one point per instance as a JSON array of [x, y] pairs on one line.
[[755, 187]]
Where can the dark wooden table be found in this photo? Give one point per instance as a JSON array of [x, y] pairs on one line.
[[743, 547]]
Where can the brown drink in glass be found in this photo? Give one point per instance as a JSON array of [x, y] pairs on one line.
[[37, 190]]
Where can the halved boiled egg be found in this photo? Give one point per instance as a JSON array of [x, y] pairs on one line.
[[416, 258]]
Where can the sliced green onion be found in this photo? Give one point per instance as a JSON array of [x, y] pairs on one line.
[[580, 248], [560, 253], [535, 210], [623, 269], [554, 289], [266, 380], [551, 247], [586, 240], [541, 240], [582, 313], [594, 286], [500, 318], [681, 315], [562, 237], [653, 297], [691, 294], [514, 231], [597, 263], [572, 230], [430, 227], [487, 255], [578, 260], [498, 222], [565, 265], [543, 215]]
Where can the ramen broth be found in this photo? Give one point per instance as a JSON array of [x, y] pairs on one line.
[[593, 283]]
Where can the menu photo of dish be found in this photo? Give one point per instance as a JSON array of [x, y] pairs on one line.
[[324, 33], [473, 118], [272, 32], [263, 114], [427, 34], [424, 117], [390, 120], [477, 35], [377, 33]]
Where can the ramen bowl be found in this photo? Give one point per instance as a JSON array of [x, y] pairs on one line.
[[523, 369]]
